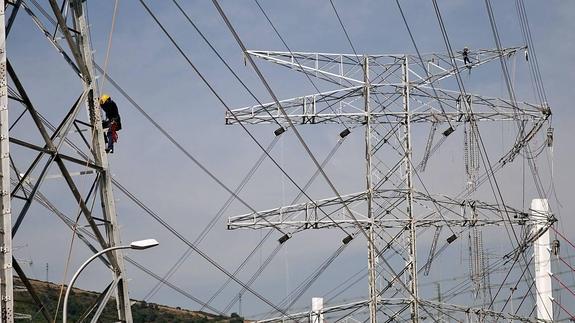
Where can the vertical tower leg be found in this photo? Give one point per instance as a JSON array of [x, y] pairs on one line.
[[6, 290], [412, 265], [100, 157], [371, 250], [542, 252]]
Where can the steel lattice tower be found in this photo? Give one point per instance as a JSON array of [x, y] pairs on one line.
[[387, 95], [75, 145]]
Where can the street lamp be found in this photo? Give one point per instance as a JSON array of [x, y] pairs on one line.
[[137, 245]]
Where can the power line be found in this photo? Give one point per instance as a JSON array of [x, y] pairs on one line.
[[205, 39], [195, 69], [266, 152], [287, 118], [513, 100], [483, 153], [46, 203], [161, 221], [330, 106], [241, 124], [530, 51], [195, 248], [180, 147], [300, 138], [344, 29], [263, 265], [422, 62], [212, 223], [159, 127]]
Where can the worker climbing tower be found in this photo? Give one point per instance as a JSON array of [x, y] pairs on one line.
[[73, 146], [390, 95]]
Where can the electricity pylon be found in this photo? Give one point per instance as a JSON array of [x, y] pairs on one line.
[[73, 143], [388, 95]]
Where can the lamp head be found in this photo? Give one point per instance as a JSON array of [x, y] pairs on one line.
[[144, 244]]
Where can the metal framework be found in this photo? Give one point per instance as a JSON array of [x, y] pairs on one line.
[[6, 283], [388, 95], [75, 145]]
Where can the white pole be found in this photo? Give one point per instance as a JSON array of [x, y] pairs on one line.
[[542, 253], [317, 310]]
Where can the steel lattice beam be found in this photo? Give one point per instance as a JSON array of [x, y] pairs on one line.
[[347, 68], [6, 281], [303, 216], [461, 312]]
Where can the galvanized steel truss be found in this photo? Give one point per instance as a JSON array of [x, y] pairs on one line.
[[387, 94]]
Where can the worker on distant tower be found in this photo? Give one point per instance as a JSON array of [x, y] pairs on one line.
[[112, 123], [466, 59]]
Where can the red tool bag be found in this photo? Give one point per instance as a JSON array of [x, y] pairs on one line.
[[113, 129]]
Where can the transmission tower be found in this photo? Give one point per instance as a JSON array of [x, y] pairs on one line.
[[388, 95], [74, 145]]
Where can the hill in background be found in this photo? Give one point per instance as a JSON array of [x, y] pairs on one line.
[[81, 300]]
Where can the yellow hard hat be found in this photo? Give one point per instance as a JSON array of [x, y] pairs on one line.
[[104, 98]]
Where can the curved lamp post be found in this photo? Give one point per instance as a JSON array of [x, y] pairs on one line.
[[138, 245]]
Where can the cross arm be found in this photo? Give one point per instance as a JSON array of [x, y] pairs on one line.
[[453, 212], [347, 68], [347, 106]]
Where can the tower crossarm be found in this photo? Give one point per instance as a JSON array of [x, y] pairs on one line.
[[334, 68], [479, 312], [469, 212], [339, 308], [346, 105], [329, 213], [325, 107], [304, 215], [481, 108], [455, 311], [346, 69], [439, 66]]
